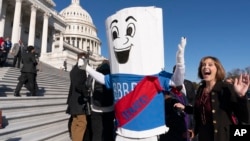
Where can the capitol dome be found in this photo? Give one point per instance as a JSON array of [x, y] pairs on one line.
[[80, 31], [76, 12]]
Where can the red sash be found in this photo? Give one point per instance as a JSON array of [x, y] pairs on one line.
[[135, 101]]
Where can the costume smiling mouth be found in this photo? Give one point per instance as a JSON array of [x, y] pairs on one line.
[[122, 55]]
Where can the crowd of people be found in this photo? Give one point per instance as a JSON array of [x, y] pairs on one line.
[[8, 48], [199, 114], [192, 114], [90, 106], [204, 113], [24, 57]]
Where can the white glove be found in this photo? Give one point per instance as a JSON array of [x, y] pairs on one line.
[[180, 52], [82, 63]]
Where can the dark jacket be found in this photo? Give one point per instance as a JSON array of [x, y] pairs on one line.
[[29, 62], [224, 102], [102, 96], [8, 45], [78, 92], [190, 91], [175, 119]]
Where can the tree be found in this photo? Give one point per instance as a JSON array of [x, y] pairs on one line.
[[247, 69], [236, 72]]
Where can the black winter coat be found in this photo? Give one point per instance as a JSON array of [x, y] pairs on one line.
[[78, 92]]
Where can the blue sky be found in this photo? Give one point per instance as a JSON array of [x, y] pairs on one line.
[[219, 28]]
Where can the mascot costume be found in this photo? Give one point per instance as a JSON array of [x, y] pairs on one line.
[[138, 81]]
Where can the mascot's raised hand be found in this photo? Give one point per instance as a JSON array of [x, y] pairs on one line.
[[178, 76], [180, 52]]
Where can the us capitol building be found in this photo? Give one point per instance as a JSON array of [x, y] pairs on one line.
[[56, 36]]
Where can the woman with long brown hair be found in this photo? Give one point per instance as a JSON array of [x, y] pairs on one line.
[[217, 101]]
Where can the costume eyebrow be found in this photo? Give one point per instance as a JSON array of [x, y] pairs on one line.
[[130, 17], [114, 21]]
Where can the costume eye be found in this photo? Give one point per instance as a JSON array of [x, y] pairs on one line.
[[130, 30], [115, 32]]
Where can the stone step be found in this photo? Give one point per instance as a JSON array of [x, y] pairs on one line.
[[41, 88], [39, 94], [55, 130], [43, 73], [32, 111], [11, 79], [62, 137], [17, 102], [33, 124], [41, 117]]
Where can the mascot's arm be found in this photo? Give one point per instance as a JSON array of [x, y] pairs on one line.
[[178, 76], [82, 64], [95, 74]]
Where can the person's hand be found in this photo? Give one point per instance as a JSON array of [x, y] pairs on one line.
[[241, 85], [180, 52], [82, 63], [179, 106], [191, 134]]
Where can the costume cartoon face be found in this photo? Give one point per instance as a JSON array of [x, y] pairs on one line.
[[135, 39]]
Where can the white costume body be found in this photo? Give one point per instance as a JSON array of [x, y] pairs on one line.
[[136, 47]]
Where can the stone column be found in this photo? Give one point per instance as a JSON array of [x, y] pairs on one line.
[[32, 28], [91, 46], [71, 41], [54, 34], [61, 42], [88, 44], [16, 22], [66, 39], [2, 17], [99, 49], [95, 48], [45, 33], [75, 42], [84, 44], [1, 2], [80, 43]]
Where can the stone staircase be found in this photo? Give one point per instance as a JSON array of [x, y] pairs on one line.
[[34, 118]]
